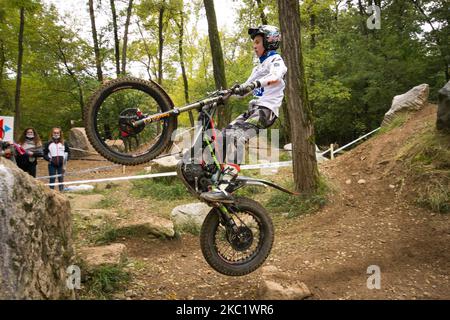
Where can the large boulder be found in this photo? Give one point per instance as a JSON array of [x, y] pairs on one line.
[[81, 147], [35, 238], [189, 214], [443, 114], [413, 100]]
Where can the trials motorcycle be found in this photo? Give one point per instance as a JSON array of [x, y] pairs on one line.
[[237, 235]]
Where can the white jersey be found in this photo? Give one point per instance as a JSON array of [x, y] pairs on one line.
[[270, 73]]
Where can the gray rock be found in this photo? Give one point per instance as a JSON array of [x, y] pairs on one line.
[[157, 226], [413, 100], [277, 285], [104, 255], [193, 213], [443, 114], [164, 164], [35, 238], [79, 141]]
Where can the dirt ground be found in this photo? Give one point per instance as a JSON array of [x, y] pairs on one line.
[[363, 224]]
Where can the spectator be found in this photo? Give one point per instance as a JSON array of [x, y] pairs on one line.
[[32, 145], [57, 153], [7, 150]]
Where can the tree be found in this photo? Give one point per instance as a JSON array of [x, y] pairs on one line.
[[125, 37], [180, 25], [306, 174], [98, 62], [217, 57], [19, 71], [116, 37]]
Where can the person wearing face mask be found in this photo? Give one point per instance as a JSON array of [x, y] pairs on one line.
[[57, 153], [32, 144]]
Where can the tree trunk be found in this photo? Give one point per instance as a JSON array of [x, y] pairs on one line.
[[98, 61], [183, 68], [306, 174], [19, 72], [224, 116], [262, 14], [160, 45], [125, 37], [147, 50], [116, 38], [73, 76], [2, 59]]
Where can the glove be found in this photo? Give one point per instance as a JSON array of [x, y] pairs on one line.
[[243, 89]]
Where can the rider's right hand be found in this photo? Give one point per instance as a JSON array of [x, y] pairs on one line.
[[243, 89]]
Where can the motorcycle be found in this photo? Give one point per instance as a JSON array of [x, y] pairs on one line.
[[236, 236]]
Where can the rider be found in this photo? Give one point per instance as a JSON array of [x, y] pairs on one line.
[[267, 83]]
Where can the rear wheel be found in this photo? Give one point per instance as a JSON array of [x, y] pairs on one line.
[[239, 252], [112, 109]]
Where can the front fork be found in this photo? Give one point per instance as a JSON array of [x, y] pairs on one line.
[[226, 216]]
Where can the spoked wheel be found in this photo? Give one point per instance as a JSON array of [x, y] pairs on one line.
[[111, 112], [241, 251]]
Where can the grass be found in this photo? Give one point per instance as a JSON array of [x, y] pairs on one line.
[[427, 159], [103, 281], [188, 227], [302, 204], [107, 203], [396, 122], [164, 188], [435, 197]]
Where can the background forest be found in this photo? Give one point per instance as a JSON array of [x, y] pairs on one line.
[[49, 67]]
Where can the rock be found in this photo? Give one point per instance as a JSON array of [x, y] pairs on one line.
[[348, 181], [277, 285], [157, 226], [104, 255], [164, 164], [35, 238], [193, 213], [391, 186], [443, 113], [361, 181], [413, 100], [130, 293], [85, 201], [79, 141], [103, 215]]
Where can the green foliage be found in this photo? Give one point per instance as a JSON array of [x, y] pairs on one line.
[[428, 156], [163, 188], [103, 281]]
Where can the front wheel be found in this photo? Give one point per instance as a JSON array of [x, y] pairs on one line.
[[242, 251], [109, 117]]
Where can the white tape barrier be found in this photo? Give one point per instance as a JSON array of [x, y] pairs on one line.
[[167, 174], [146, 176]]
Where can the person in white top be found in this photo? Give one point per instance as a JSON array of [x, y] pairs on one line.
[[267, 84], [57, 153]]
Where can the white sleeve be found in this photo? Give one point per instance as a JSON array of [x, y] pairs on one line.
[[276, 73], [252, 77]]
